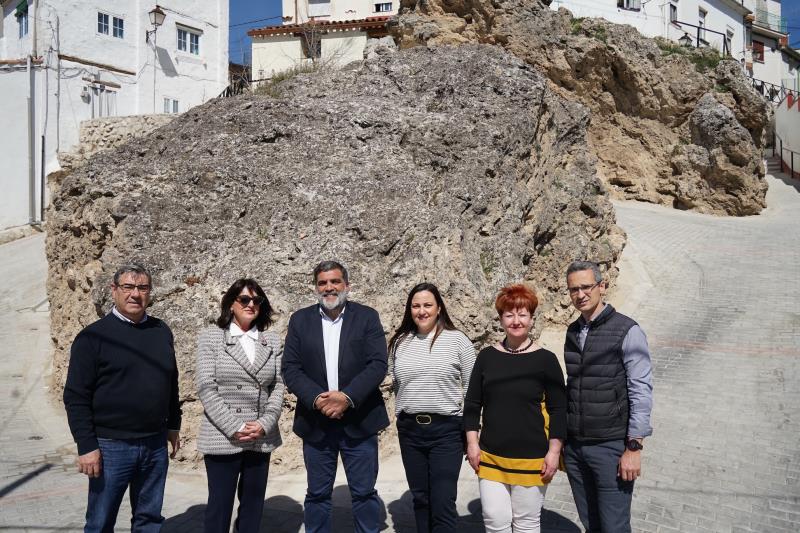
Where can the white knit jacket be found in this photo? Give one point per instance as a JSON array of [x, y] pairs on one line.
[[233, 391]]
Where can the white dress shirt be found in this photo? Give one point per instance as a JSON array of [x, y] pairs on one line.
[[331, 332], [122, 317], [247, 340]]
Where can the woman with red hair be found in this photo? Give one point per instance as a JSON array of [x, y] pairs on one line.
[[515, 418]]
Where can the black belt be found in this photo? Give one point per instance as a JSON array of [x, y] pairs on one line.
[[426, 418]]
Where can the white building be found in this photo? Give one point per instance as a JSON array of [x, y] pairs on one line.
[[326, 30], [66, 61], [770, 58], [751, 31]]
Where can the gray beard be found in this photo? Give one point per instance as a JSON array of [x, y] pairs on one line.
[[341, 298]]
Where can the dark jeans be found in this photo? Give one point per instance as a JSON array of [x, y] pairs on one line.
[[140, 463], [245, 473], [432, 456], [603, 499], [360, 459]]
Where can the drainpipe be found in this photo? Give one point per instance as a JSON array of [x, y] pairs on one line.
[[31, 145]]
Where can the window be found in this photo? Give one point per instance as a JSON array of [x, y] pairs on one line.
[[319, 8], [673, 13], [119, 28], [383, 8], [758, 51], [22, 21], [22, 18], [728, 41], [188, 41], [170, 105], [102, 23], [104, 101], [701, 21], [634, 5]]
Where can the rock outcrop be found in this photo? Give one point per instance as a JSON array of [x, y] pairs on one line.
[[456, 165], [641, 93]]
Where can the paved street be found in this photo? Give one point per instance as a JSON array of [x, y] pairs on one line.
[[715, 296]]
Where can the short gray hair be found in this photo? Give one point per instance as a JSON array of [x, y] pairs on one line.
[[132, 268], [327, 266], [580, 266]]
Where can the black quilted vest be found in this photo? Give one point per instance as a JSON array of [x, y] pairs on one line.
[[597, 388]]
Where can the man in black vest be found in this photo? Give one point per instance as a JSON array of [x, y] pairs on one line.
[[610, 395]]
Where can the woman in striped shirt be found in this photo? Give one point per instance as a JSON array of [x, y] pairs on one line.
[[432, 364], [517, 401]]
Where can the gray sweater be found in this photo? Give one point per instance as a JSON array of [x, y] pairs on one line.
[[233, 391]]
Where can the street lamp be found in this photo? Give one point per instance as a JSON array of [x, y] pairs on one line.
[[685, 40], [157, 17]]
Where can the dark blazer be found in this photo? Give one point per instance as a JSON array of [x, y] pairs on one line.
[[362, 368]]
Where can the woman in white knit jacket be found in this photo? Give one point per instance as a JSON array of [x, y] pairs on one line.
[[239, 383]]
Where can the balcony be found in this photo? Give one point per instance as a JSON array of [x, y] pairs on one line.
[[765, 19]]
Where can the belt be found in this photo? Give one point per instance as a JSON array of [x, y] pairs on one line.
[[425, 419]]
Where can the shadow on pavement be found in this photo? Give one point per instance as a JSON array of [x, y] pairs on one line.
[[402, 513], [554, 522]]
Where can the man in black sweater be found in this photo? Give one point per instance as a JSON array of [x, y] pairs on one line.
[[121, 397]]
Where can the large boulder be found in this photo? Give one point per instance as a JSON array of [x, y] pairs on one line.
[[641, 91], [457, 166], [719, 162]]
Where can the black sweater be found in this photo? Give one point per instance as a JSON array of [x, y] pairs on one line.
[[508, 390], [122, 382]]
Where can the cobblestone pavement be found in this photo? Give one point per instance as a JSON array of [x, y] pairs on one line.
[[715, 296]]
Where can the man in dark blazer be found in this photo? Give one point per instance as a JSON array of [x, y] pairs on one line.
[[334, 362]]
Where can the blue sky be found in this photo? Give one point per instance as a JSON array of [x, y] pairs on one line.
[[791, 10], [243, 12]]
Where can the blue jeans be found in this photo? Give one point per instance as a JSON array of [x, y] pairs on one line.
[[603, 499], [432, 455], [360, 459], [138, 463]]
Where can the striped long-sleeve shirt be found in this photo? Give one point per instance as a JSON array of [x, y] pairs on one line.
[[432, 379]]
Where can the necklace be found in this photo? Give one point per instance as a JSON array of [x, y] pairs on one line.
[[518, 350]]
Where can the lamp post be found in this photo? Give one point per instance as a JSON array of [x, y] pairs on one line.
[[157, 17]]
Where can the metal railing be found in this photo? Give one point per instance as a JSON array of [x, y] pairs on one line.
[[769, 20], [790, 166], [700, 37], [774, 93]]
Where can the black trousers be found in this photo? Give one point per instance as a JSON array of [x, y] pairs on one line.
[[432, 456], [245, 473]]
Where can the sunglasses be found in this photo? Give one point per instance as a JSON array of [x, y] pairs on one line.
[[245, 300]]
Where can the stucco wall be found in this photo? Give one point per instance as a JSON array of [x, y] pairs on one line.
[[787, 127], [337, 9], [653, 19], [280, 53]]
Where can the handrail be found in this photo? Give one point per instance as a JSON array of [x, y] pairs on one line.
[[792, 153], [774, 93]]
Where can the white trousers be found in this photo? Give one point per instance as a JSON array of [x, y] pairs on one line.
[[511, 508]]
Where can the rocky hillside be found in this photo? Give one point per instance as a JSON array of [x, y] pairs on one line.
[[653, 139], [456, 165]]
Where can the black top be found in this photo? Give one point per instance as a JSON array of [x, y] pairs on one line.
[[122, 382], [510, 388]]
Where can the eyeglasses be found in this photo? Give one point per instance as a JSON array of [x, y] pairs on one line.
[[129, 287], [583, 288], [245, 300]]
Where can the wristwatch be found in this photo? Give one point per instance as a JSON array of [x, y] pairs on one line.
[[633, 445]]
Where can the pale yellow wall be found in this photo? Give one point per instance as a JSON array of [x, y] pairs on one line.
[[280, 53], [344, 47], [275, 54]]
